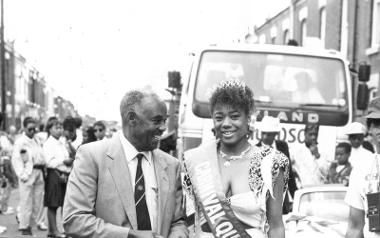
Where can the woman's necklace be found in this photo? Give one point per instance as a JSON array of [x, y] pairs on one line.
[[230, 158]]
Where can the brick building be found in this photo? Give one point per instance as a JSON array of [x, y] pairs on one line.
[[351, 27], [28, 93], [64, 108]]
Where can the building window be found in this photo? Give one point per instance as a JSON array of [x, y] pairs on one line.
[[273, 35], [322, 25], [286, 37], [375, 39], [303, 32]]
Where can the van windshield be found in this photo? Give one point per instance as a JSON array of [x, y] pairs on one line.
[[281, 80]]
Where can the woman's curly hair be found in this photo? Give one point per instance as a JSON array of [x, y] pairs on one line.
[[233, 93]]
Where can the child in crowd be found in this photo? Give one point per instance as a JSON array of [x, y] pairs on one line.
[[340, 169]]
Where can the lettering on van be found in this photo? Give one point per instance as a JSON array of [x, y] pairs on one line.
[[290, 117], [290, 135]]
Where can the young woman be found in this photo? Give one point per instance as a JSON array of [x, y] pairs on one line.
[[237, 187], [58, 163]]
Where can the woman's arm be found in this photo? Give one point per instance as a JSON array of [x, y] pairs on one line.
[[274, 209], [70, 160]]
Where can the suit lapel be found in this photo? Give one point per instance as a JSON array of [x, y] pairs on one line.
[[160, 167], [118, 168]]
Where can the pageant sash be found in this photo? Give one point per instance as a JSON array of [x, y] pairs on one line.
[[218, 213]]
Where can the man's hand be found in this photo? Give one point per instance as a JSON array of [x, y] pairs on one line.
[[143, 234], [68, 161], [334, 164], [314, 150]]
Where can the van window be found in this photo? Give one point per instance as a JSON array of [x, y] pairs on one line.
[[283, 80]]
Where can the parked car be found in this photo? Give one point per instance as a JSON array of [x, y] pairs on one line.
[[318, 211]]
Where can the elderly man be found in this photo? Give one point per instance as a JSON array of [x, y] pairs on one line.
[[125, 186]]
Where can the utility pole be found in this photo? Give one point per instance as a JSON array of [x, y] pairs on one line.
[[174, 84], [3, 80]]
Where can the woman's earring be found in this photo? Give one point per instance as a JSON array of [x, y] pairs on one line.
[[249, 132]]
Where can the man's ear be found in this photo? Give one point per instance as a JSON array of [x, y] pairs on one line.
[[131, 117]]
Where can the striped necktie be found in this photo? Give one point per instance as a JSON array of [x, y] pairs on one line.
[[143, 218]]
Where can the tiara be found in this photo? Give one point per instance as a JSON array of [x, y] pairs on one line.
[[233, 83]]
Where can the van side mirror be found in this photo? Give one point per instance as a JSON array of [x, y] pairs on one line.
[[364, 72], [363, 96]]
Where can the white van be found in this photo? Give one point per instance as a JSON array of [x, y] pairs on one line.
[[295, 84]]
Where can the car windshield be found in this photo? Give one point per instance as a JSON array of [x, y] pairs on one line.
[[277, 79], [329, 205]]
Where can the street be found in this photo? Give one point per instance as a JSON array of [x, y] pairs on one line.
[[10, 221]]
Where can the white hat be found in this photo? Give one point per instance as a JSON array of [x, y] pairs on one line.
[[270, 124], [355, 128]]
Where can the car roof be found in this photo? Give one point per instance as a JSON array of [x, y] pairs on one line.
[[321, 188]]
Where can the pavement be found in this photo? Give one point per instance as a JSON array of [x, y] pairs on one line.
[[10, 221]]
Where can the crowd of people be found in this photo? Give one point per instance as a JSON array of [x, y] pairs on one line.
[[125, 186], [37, 160]]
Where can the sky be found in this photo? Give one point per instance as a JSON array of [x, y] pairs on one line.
[[93, 51]]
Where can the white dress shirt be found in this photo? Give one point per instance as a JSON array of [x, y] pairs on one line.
[[151, 190], [55, 153], [312, 171]]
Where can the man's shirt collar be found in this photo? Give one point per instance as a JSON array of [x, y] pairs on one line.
[[131, 152]]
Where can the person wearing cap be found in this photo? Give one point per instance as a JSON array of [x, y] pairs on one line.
[[311, 165], [356, 132], [364, 180], [270, 128], [373, 112]]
